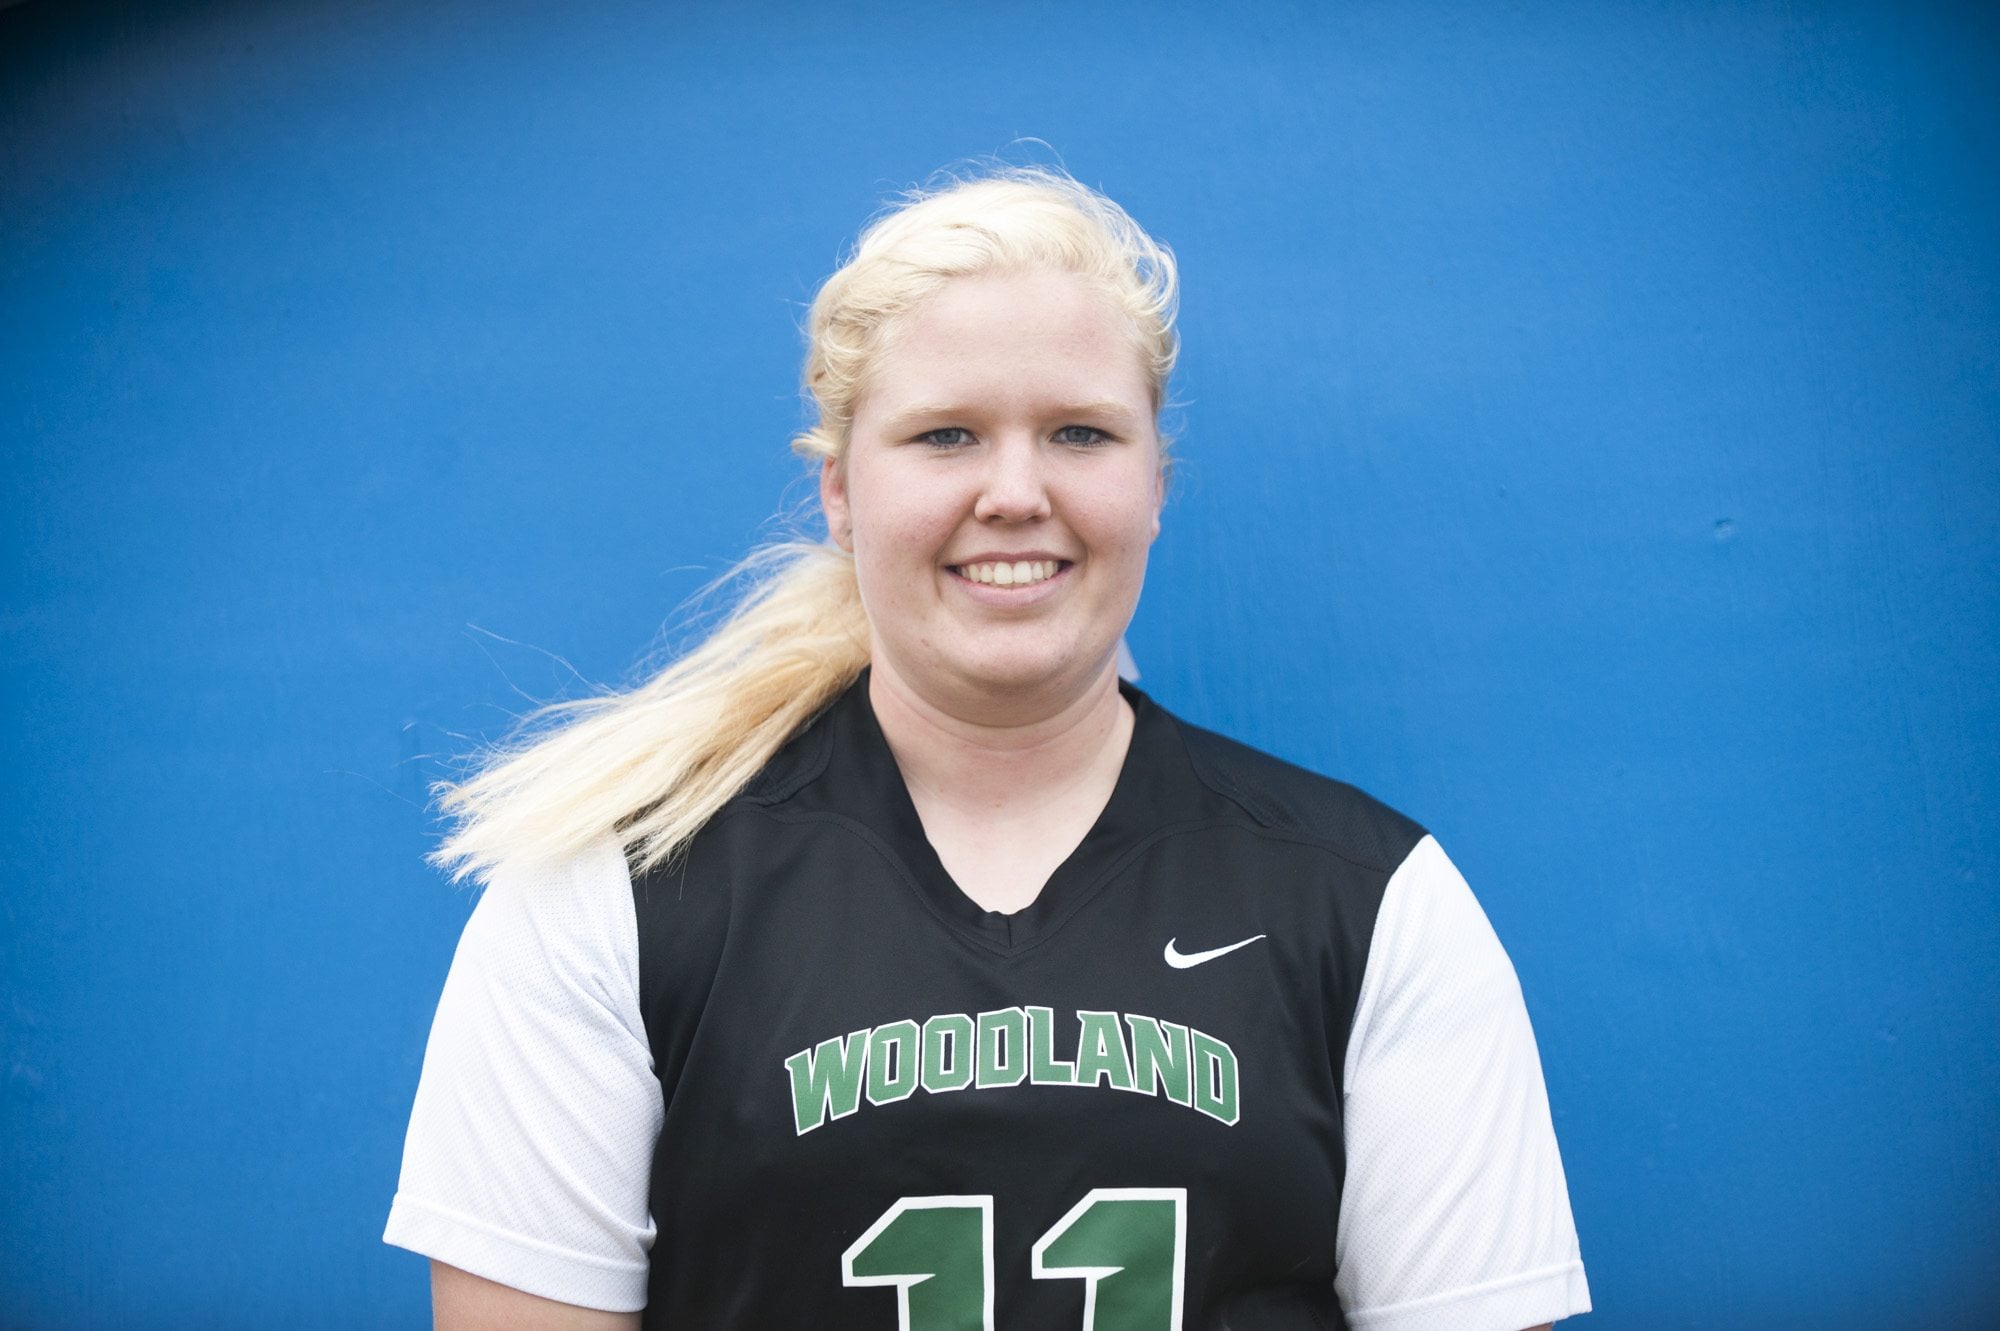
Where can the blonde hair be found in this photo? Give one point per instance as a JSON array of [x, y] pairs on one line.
[[652, 764]]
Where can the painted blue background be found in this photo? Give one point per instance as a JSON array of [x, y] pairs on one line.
[[1589, 445]]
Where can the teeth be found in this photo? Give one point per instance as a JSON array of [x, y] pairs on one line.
[[1017, 574]]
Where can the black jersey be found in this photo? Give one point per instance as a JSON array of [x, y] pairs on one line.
[[876, 1091], [1252, 1056]]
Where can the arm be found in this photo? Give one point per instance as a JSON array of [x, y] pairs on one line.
[[528, 1159], [461, 1301], [1455, 1213]]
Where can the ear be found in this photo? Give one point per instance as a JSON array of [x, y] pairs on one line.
[[833, 503]]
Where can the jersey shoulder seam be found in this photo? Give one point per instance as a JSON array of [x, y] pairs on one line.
[[778, 782], [1281, 797]]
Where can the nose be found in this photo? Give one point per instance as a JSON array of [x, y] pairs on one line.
[[1013, 487]]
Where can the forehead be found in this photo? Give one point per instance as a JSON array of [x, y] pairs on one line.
[[1010, 338]]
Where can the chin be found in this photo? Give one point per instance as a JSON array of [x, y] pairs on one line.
[[1030, 672]]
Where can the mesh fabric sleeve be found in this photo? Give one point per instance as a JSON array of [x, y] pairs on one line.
[[1455, 1215], [530, 1145]]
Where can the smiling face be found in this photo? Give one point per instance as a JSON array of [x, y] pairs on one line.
[[1000, 490]]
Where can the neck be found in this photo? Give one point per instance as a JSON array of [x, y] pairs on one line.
[[988, 765]]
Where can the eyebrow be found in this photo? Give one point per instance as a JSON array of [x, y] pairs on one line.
[[933, 411]]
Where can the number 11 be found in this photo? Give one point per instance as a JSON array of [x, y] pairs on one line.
[[1128, 1246]]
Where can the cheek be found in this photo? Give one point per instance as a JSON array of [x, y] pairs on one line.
[[899, 528], [1125, 521], [895, 509]]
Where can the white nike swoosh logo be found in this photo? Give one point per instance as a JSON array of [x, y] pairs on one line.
[[1180, 961]]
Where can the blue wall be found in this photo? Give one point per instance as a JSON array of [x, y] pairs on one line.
[[1591, 444]]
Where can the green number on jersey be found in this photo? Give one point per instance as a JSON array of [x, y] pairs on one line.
[[1129, 1246], [938, 1253]]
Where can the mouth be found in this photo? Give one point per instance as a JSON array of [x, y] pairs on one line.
[[1019, 573]]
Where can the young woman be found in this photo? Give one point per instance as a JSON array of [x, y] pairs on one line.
[[886, 962]]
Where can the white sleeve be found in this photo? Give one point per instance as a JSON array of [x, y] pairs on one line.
[[529, 1155], [1455, 1215]]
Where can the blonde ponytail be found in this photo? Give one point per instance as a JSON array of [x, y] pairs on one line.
[[652, 764]]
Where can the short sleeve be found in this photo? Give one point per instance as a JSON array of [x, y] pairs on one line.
[[529, 1154], [1455, 1215]]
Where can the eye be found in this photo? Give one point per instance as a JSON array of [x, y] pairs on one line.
[[1082, 436], [950, 436]]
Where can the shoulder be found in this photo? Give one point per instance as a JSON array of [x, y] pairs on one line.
[[594, 870], [567, 915], [1294, 800], [574, 884], [799, 762], [526, 1160]]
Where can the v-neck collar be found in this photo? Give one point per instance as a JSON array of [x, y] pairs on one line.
[[849, 770]]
